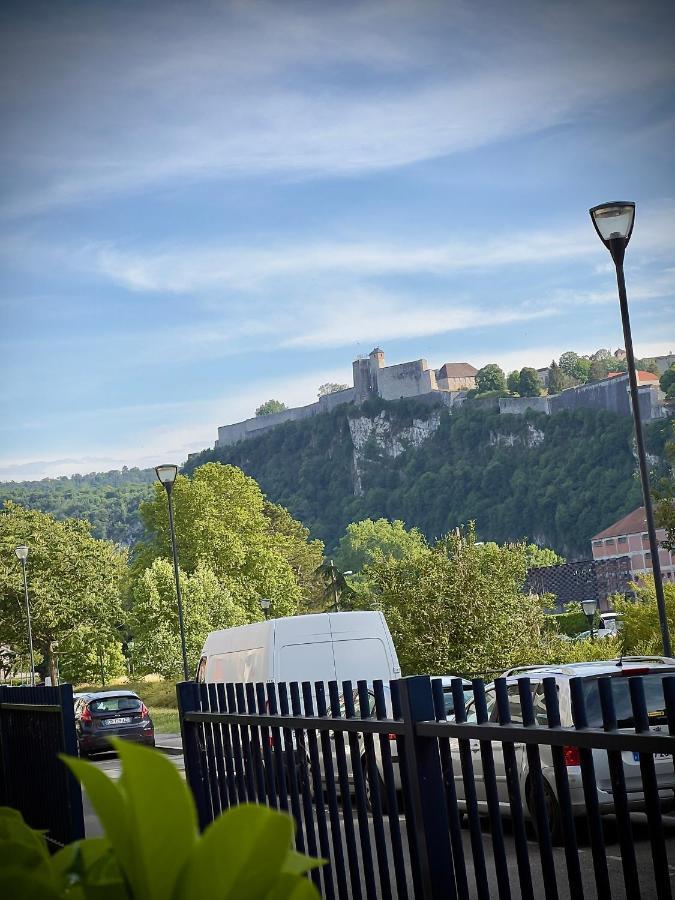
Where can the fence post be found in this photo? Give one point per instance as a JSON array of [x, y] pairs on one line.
[[187, 693], [421, 767], [65, 699]]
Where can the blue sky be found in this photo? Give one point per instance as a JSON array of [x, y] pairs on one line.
[[207, 205]]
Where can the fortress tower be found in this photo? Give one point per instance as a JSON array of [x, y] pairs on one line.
[[365, 374]]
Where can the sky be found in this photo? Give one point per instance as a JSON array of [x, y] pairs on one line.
[[204, 206]]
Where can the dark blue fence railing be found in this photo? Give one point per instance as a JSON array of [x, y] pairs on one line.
[[516, 796], [36, 724]]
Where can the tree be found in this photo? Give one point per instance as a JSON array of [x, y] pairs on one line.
[[490, 378], [458, 607], [598, 370], [207, 604], [640, 631], [221, 525], [368, 540], [74, 584], [270, 407], [602, 355], [330, 387], [664, 494], [568, 363], [557, 380], [337, 589], [529, 383], [304, 556], [667, 380], [513, 382], [539, 557]]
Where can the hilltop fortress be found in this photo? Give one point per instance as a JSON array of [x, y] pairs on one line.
[[371, 378], [448, 386]]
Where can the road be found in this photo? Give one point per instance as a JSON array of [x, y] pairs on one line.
[[110, 764]]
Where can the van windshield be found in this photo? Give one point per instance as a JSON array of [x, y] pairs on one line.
[[653, 688]]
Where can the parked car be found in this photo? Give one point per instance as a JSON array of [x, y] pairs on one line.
[[105, 714], [653, 670]]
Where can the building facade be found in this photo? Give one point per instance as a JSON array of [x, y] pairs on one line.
[[628, 538]]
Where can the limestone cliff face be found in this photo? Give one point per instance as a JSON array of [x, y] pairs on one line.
[[532, 438], [388, 438]]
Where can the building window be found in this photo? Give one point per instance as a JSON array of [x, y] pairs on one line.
[[645, 540], [609, 542], [622, 540]]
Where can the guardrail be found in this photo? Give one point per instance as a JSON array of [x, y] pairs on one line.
[[379, 784]]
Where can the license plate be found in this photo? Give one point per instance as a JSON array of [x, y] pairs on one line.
[[636, 756], [124, 720]]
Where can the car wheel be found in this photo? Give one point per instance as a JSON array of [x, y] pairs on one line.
[[553, 815], [384, 803]]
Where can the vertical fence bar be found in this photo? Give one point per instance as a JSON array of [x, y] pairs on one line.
[[256, 759], [217, 731], [374, 780], [382, 712], [422, 765], [615, 762], [209, 753], [290, 763], [73, 788], [327, 742], [470, 798], [492, 797], [266, 740], [305, 782], [278, 747], [452, 808], [245, 737], [569, 834], [651, 792], [600, 870], [345, 794], [315, 769], [188, 701], [360, 794], [220, 703], [512, 775], [535, 780], [235, 736]]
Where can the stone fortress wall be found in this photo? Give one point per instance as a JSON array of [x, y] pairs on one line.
[[449, 385]]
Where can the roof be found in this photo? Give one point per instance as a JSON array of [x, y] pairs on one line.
[[642, 376], [633, 523], [95, 695], [457, 370], [596, 667]]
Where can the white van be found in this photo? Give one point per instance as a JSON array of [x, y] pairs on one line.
[[317, 647]]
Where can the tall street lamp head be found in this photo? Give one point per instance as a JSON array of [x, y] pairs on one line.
[[589, 607], [166, 474], [22, 553], [265, 604], [614, 225]]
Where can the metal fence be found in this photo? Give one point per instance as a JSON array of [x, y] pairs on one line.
[[36, 724], [402, 803]]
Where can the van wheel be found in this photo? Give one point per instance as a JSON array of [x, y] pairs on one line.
[[384, 803], [553, 815]]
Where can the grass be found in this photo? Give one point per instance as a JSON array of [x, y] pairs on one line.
[[158, 696]]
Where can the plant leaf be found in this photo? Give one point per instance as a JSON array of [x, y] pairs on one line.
[[22, 846], [297, 863], [240, 855], [161, 819], [293, 887], [19, 884]]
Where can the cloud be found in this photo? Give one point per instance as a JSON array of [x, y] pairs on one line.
[[105, 102]]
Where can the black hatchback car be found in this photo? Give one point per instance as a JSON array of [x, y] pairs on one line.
[[105, 714]]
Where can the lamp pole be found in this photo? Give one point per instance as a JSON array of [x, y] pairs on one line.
[[22, 556], [265, 604], [167, 475], [614, 225]]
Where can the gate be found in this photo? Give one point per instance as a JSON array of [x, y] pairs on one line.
[[396, 798], [36, 724]]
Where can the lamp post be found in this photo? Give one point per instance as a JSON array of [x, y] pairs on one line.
[[614, 225], [167, 475], [590, 607], [265, 606], [22, 556]]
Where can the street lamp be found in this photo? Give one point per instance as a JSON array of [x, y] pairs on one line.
[[614, 225], [589, 607], [22, 556], [265, 606], [167, 475]]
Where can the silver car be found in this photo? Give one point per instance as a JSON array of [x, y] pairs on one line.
[[652, 669]]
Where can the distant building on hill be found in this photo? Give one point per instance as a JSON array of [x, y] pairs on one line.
[[628, 538]]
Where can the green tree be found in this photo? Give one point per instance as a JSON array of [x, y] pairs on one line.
[[74, 583], [369, 539], [207, 606], [557, 380], [667, 380], [490, 378], [664, 494], [458, 607], [598, 370], [304, 556], [640, 631], [330, 387], [221, 525], [269, 407], [529, 383], [337, 592], [568, 363], [538, 557], [513, 382]]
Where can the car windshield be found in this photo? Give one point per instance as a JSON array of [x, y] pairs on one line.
[[653, 688], [115, 704], [449, 701]]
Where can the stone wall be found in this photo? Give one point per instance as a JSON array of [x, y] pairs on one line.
[[517, 406], [610, 394], [406, 380]]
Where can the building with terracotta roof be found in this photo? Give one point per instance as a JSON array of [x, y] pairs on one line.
[[459, 376], [628, 537]]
